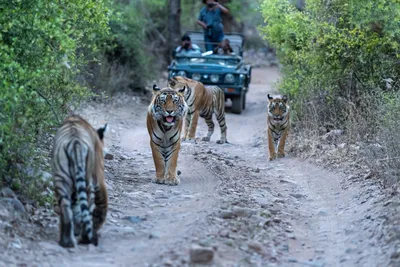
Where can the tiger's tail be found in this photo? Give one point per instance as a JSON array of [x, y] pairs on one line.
[[78, 154]]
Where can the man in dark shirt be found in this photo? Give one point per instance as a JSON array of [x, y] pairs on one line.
[[211, 21]]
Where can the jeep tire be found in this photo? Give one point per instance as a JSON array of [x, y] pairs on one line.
[[244, 101], [237, 103]]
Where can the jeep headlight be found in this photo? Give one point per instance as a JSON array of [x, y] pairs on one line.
[[229, 78], [181, 73], [196, 76], [214, 78]]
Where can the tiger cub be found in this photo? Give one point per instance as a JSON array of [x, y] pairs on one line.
[[164, 124], [203, 101], [80, 189], [278, 125]]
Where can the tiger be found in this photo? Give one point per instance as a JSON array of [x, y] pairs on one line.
[[278, 125], [80, 188], [164, 124], [202, 101]]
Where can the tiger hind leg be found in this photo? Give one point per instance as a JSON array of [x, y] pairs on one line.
[[67, 238], [101, 205], [210, 125]]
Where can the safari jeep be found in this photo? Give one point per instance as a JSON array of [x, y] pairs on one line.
[[226, 71]]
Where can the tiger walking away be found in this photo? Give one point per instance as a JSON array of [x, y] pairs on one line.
[[78, 172], [203, 101], [164, 124], [278, 125]]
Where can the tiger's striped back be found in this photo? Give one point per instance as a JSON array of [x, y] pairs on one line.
[[203, 101], [78, 171]]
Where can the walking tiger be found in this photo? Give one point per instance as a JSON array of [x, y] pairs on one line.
[[203, 101], [278, 125], [164, 124], [80, 189]]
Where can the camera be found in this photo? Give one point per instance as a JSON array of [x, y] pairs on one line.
[[210, 5], [209, 30]]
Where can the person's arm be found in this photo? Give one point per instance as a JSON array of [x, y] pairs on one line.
[[202, 24], [200, 20], [223, 9]]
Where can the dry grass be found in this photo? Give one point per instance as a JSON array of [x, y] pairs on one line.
[[366, 134]]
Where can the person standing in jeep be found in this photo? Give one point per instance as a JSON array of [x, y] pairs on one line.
[[211, 21]]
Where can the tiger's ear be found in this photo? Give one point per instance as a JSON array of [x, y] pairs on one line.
[[156, 88], [285, 98], [270, 97], [182, 90], [102, 131]]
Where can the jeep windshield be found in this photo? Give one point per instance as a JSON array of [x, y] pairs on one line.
[[219, 60]]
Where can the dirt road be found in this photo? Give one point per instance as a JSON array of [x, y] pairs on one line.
[[246, 210]]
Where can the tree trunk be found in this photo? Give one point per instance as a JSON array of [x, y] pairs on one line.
[[300, 4], [174, 25], [229, 22]]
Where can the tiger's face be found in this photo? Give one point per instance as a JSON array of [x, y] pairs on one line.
[[168, 106], [278, 108], [177, 83]]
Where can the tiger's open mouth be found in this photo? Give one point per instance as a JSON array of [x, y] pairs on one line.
[[278, 119], [169, 119]]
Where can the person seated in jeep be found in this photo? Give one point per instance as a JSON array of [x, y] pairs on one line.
[[211, 21], [224, 48], [187, 48]]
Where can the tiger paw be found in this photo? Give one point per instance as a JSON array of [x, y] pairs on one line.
[[272, 157], [222, 141], [158, 180], [86, 240], [172, 181], [281, 155], [77, 229], [206, 138], [67, 242]]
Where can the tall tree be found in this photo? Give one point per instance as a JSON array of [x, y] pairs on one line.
[[174, 25]]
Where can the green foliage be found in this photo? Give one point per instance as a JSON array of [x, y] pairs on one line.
[[42, 46], [129, 52], [335, 56], [246, 11]]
